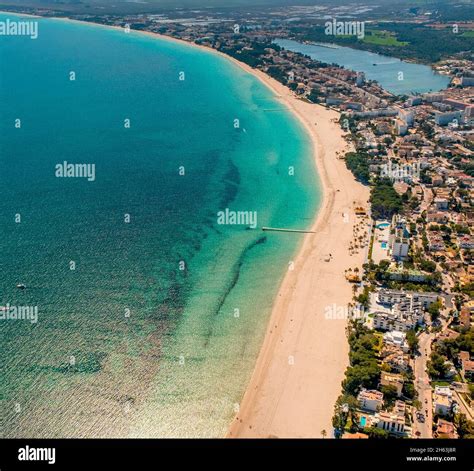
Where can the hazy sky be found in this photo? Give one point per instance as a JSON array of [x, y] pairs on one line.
[[138, 6], [176, 3]]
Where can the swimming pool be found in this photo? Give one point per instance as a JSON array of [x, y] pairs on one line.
[[383, 225], [363, 421], [383, 245]]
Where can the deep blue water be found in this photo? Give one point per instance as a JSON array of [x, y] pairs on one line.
[[142, 338]]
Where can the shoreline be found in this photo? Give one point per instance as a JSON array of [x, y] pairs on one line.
[[301, 363], [298, 374], [265, 389]]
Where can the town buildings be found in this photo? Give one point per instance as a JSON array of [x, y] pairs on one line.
[[442, 400], [371, 400]]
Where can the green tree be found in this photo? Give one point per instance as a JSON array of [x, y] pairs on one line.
[[358, 164], [412, 340], [434, 310], [428, 265], [384, 200], [464, 427], [436, 366], [345, 410], [384, 264], [315, 95], [364, 298], [409, 390], [375, 432], [389, 395], [364, 369]]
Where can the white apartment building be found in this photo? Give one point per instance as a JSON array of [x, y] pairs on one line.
[[395, 321], [391, 422], [397, 339], [392, 296], [399, 238], [442, 400], [403, 316], [370, 399]]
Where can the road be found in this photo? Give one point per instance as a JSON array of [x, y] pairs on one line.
[[427, 198], [422, 379], [422, 384]]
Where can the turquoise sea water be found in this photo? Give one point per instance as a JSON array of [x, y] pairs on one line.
[[128, 343], [414, 78]]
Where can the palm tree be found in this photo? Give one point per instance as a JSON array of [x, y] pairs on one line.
[[323, 433]]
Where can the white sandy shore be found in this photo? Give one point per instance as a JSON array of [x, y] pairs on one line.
[[298, 374]]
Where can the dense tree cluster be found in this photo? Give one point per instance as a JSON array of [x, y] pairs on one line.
[[364, 370], [358, 164], [384, 200]]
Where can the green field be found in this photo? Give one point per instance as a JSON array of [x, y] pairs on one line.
[[382, 38]]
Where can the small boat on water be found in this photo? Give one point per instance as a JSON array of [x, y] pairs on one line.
[[21, 286]]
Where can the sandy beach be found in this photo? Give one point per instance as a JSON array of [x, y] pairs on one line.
[[298, 373], [301, 364]]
